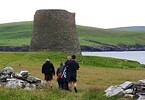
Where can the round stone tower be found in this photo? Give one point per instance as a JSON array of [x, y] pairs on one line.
[[55, 30]]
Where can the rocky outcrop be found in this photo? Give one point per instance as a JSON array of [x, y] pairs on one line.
[[14, 48], [132, 90], [20, 80], [109, 47], [55, 30], [83, 48], [114, 48]]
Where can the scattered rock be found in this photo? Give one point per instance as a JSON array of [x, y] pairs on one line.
[[20, 80], [7, 70], [141, 97], [128, 89], [114, 90], [126, 84]]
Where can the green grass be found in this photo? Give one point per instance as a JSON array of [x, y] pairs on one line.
[[19, 34], [94, 76], [16, 34], [55, 94], [10, 58], [111, 37]]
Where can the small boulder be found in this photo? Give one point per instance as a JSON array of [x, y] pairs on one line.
[[7, 70], [126, 84], [14, 83], [24, 74], [115, 90]]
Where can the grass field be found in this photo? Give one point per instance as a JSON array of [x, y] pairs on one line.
[[15, 34], [95, 75], [19, 34], [110, 37]]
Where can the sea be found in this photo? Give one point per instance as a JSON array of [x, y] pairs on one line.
[[128, 55]]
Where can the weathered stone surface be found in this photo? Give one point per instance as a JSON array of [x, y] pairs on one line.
[[114, 90], [20, 80], [128, 89], [129, 95], [7, 70], [31, 79], [141, 81], [141, 97], [55, 30], [30, 86], [24, 74], [126, 84], [14, 83]]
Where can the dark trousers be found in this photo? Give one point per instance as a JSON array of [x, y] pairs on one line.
[[63, 84], [60, 83]]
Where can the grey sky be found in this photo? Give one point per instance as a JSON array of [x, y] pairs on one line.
[[95, 13]]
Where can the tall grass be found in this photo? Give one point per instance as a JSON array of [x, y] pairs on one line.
[[54, 94]]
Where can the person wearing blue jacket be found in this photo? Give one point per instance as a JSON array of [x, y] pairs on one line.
[[71, 73]]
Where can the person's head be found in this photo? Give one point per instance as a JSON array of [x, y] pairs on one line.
[[73, 57], [68, 57], [61, 63], [47, 60]]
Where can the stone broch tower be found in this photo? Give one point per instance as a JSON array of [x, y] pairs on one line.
[[55, 30]]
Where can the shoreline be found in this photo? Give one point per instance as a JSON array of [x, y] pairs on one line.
[[83, 48]]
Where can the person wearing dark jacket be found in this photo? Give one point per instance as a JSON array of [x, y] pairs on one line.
[[48, 71], [59, 76], [71, 73]]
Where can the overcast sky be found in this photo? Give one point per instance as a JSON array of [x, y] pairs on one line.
[[95, 13]]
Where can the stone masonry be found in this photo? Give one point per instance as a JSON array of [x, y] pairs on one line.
[[55, 31]]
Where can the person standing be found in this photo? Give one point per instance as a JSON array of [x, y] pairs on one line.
[[48, 71], [71, 73], [68, 59], [64, 71], [59, 76]]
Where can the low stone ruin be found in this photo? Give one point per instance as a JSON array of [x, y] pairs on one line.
[[128, 89], [20, 80]]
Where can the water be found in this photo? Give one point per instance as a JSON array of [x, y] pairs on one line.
[[129, 55]]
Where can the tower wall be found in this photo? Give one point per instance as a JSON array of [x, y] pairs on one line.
[[55, 30]]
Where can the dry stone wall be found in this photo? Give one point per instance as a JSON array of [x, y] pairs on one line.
[[55, 30]]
